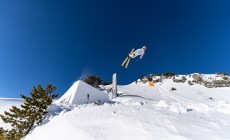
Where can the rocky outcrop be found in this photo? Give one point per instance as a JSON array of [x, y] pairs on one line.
[[197, 78], [220, 80], [181, 79], [207, 80], [217, 83]]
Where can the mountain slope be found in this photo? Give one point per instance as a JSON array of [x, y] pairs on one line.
[[144, 112]]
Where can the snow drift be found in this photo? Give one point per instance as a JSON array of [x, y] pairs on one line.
[[82, 93]]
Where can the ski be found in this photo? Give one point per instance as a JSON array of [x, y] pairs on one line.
[[126, 66], [127, 58], [125, 61]]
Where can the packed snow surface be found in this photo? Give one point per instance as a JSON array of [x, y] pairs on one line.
[[142, 112], [82, 93]]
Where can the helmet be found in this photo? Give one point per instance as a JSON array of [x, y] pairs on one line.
[[144, 47]]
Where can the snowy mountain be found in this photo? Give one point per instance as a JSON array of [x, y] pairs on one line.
[[142, 112]]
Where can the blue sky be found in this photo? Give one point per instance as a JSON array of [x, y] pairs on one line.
[[56, 41]]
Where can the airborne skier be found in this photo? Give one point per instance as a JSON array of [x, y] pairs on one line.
[[134, 54], [140, 52]]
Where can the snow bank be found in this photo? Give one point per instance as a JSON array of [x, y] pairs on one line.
[[82, 93]]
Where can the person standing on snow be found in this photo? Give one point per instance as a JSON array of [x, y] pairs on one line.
[[140, 52]]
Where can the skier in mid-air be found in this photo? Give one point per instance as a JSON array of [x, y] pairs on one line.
[[140, 52], [134, 54]]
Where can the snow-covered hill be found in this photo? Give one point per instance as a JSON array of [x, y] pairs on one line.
[[190, 112]]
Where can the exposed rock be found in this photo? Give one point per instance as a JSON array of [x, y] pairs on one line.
[[210, 81], [197, 79], [217, 83], [172, 89], [190, 83], [179, 79]]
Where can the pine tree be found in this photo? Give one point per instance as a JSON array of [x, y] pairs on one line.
[[93, 80], [2, 131], [31, 113], [169, 74]]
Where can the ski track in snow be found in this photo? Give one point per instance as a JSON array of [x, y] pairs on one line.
[[172, 95], [176, 103]]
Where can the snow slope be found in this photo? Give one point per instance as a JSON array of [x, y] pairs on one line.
[[5, 105], [143, 112], [77, 94]]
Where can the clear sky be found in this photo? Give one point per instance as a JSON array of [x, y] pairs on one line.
[[59, 41]]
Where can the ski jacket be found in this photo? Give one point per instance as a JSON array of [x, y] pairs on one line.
[[140, 52]]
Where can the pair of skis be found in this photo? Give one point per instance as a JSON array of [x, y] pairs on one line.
[[127, 60]]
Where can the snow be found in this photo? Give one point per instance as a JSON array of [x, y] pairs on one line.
[[5, 105], [140, 112], [77, 94]]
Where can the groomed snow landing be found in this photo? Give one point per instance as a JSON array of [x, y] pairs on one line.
[[78, 94]]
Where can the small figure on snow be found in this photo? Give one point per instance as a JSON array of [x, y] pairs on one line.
[[87, 98]]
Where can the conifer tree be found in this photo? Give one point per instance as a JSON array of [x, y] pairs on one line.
[[31, 113], [93, 80]]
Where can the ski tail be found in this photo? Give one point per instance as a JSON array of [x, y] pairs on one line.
[[127, 59], [126, 66]]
